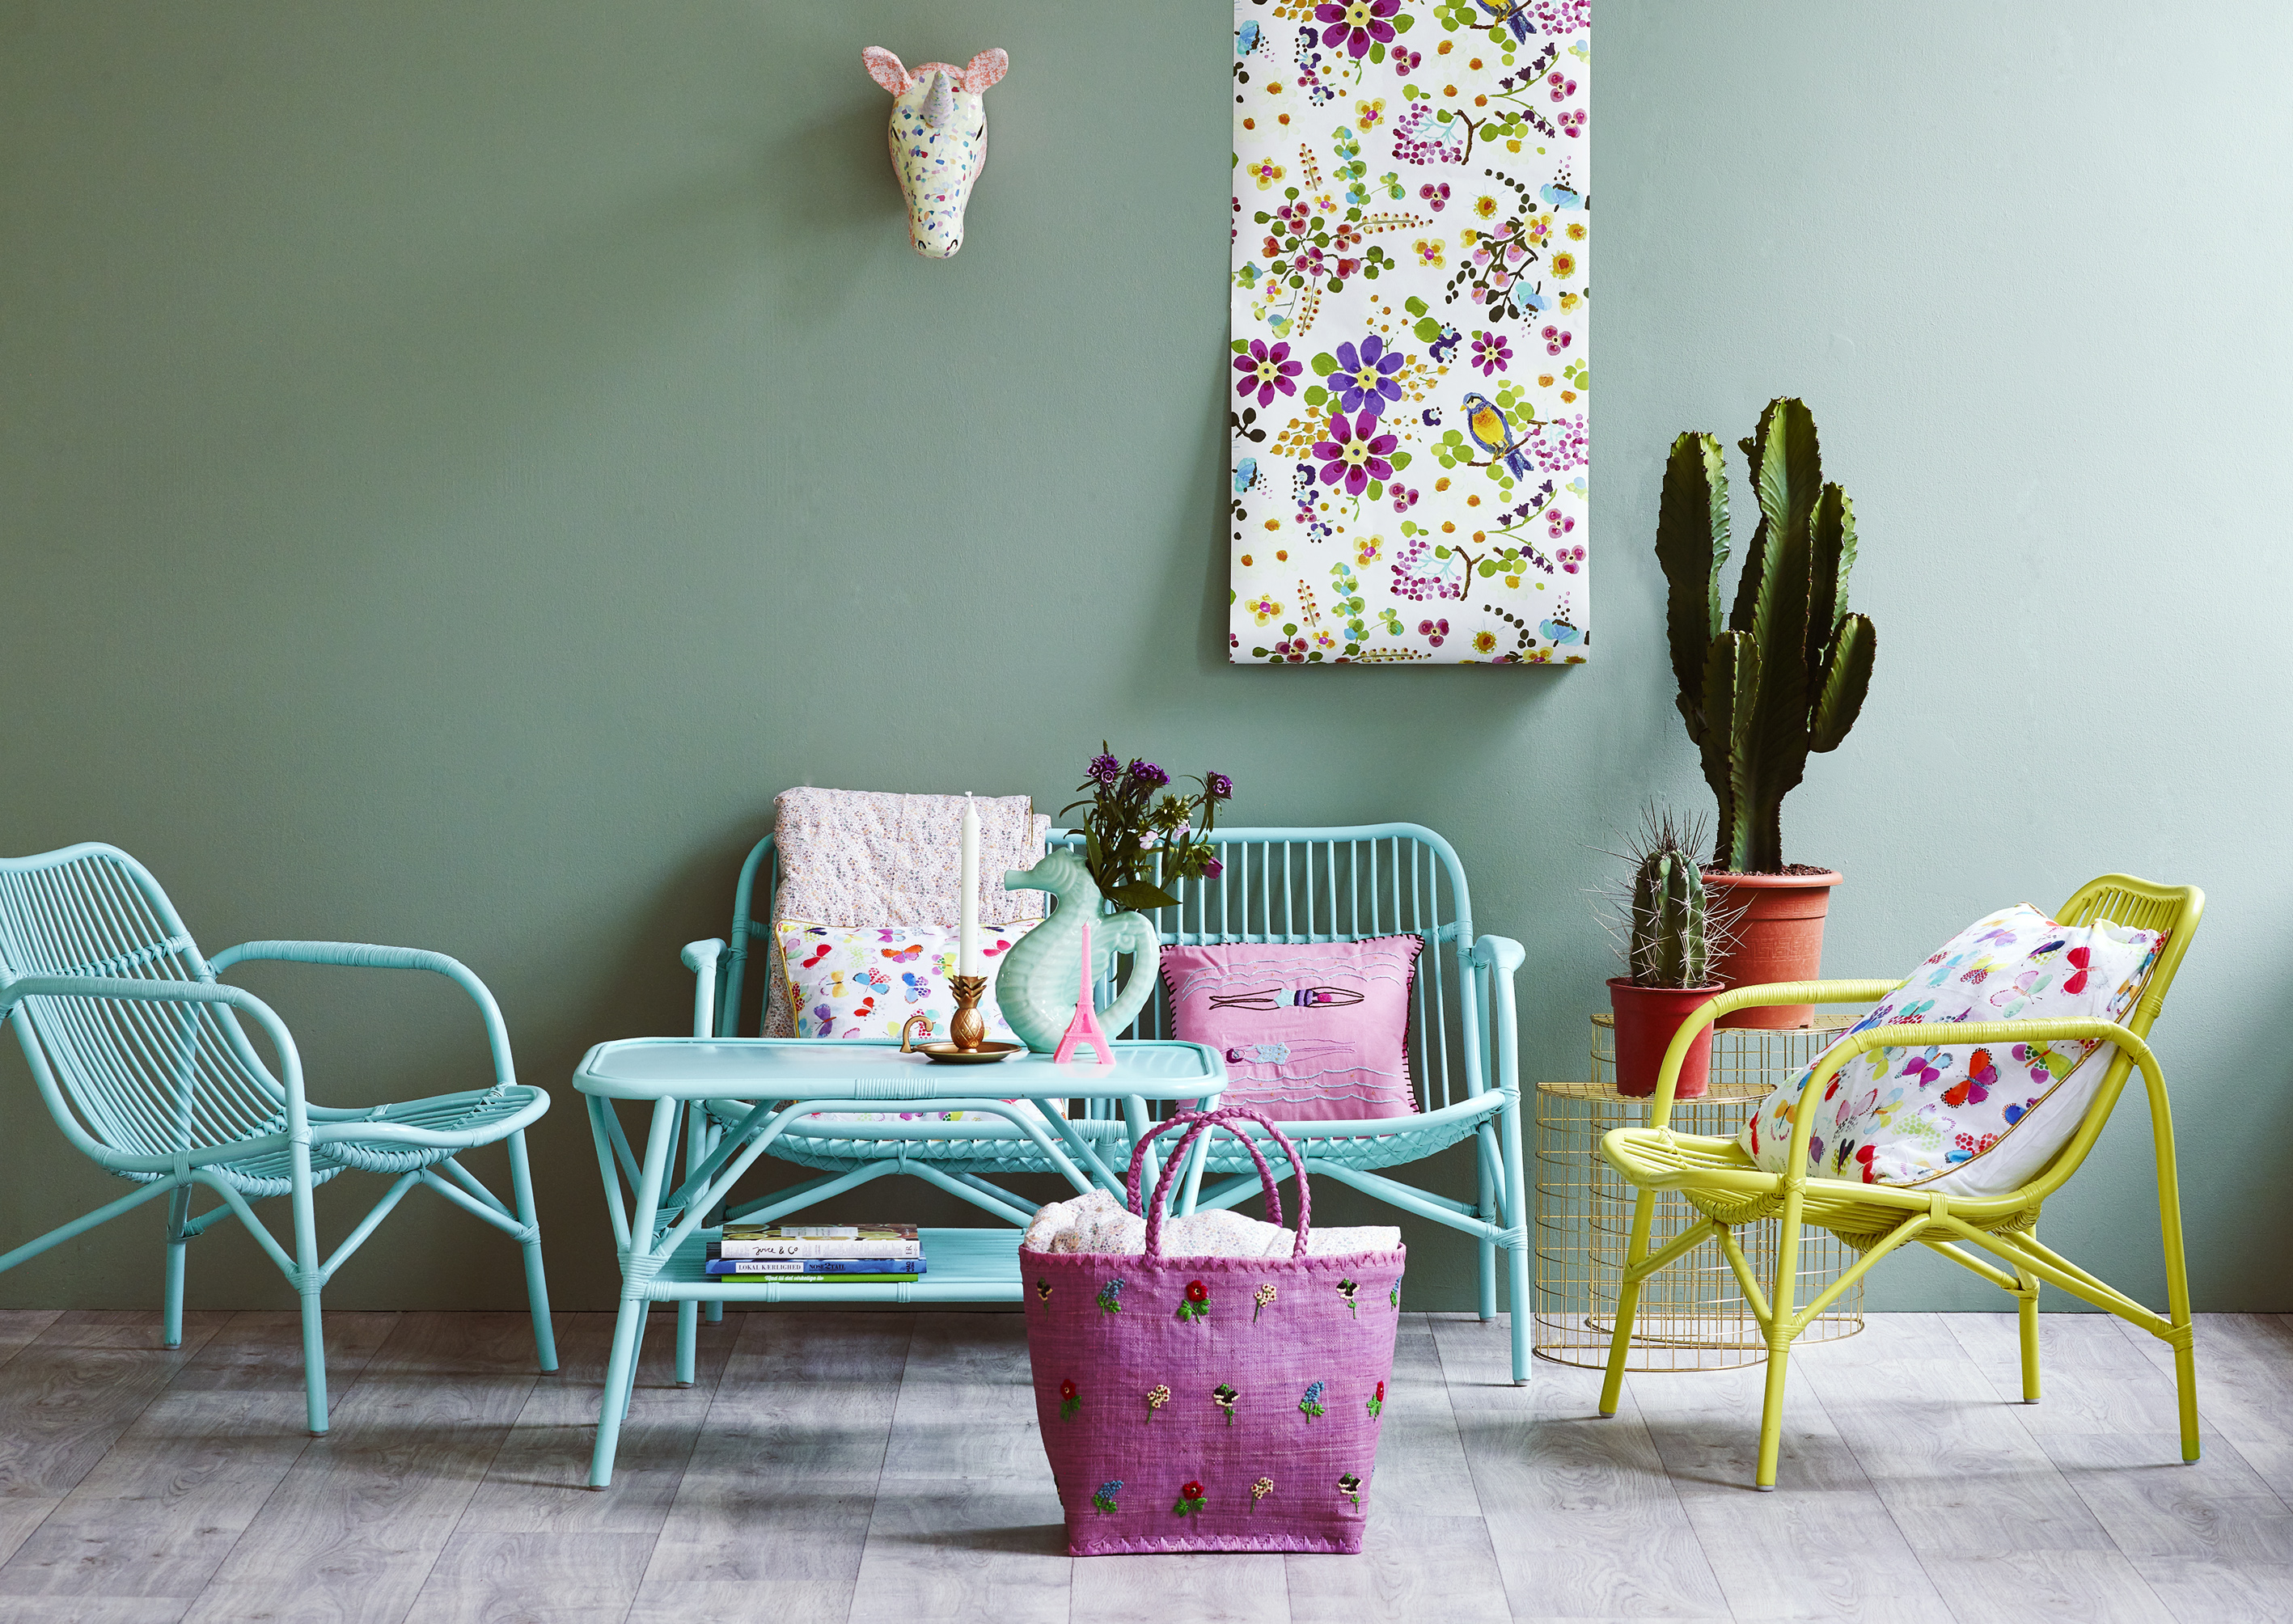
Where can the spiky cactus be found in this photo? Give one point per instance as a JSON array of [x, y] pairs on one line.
[[1787, 673], [1669, 947]]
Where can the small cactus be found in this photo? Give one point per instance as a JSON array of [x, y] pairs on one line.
[[1669, 947]]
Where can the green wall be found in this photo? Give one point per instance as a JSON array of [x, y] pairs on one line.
[[457, 463]]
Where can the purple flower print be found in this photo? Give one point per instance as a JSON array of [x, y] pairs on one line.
[[1435, 194], [1352, 454], [1365, 378], [1433, 631], [1266, 370], [1355, 25], [1490, 354], [1571, 559]]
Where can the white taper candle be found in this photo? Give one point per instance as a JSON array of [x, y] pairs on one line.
[[966, 946]]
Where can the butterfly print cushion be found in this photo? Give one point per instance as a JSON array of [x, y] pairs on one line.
[[866, 981], [1970, 1120]]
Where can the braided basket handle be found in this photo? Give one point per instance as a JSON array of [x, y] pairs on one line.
[[1197, 1123]]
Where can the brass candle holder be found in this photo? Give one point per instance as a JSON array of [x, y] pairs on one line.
[[967, 1027], [967, 1030]]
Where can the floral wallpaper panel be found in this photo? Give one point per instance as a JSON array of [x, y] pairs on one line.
[[1411, 304]]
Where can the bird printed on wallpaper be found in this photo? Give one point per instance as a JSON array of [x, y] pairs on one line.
[[1508, 12], [1486, 422]]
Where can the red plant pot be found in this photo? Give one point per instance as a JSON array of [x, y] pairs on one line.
[[1647, 1018], [1777, 936]]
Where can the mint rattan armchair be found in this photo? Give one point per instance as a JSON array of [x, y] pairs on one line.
[[1279, 886], [145, 1062]]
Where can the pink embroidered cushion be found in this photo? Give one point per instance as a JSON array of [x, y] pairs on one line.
[[1311, 1033]]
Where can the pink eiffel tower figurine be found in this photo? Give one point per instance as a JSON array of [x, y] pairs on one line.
[[1084, 1031]]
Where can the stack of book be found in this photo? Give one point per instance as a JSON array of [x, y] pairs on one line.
[[826, 1254]]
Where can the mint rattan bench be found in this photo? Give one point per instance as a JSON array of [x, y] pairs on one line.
[[1278, 886]]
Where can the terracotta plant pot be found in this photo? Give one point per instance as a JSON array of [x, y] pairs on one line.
[[1777, 936], [1647, 1017]]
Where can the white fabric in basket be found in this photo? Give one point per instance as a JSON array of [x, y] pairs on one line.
[[1099, 1223]]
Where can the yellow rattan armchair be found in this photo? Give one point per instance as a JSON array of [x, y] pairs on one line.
[[1722, 1182]]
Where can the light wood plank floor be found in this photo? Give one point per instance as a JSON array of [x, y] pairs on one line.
[[885, 1467]]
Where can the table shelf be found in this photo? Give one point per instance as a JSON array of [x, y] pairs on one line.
[[968, 1266]]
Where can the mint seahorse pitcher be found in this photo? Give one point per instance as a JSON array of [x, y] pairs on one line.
[[1035, 988]]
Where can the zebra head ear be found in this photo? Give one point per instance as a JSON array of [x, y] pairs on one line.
[[887, 70], [984, 70]]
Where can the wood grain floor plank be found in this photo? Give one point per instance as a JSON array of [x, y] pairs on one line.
[[352, 1529], [774, 1504], [1411, 1566], [964, 1549], [2215, 1508], [494, 1578], [1421, 1459], [2091, 1379], [967, 1405], [2242, 1361], [2201, 1592], [21, 1327], [1205, 1587], [96, 1609], [1580, 1514], [2077, 1587], [1951, 1460], [539, 1483], [160, 1511], [76, 1387]]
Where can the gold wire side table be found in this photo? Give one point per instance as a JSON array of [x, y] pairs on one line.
[[1692, 1315]]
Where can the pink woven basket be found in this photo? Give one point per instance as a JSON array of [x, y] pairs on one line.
[[1212, 1404]]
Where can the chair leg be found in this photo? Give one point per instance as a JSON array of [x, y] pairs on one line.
[[615, 1402], [1628, 1301], [2026, 1314], [170, 1311], [1486, 1211], [308, 1284], [1516, 1220], [1782, 1307], [688, 1341], [537, 1283]]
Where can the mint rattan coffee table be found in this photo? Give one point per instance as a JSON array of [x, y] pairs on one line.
[[660, 1224]]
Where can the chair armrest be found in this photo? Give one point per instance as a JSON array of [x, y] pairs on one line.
[[1915, 1034], [1765, 995], [365, 956], [1500, 956], [701, 958]]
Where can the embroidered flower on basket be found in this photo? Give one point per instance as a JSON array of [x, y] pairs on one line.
[[1190, 1499], [1349, 1486], [1377, 1400], [1265, 1296], [1157, 1396], [1346, 1289], [1311, 1404], [1198, 1306], [1043, 1290], [1110, 1296], [1394, 1295], [1071, 1400], [1104, 1499], [1260, 1490], [1224, 1395]]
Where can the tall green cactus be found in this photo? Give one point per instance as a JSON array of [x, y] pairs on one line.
[[1668, 947], [1787, 673]]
